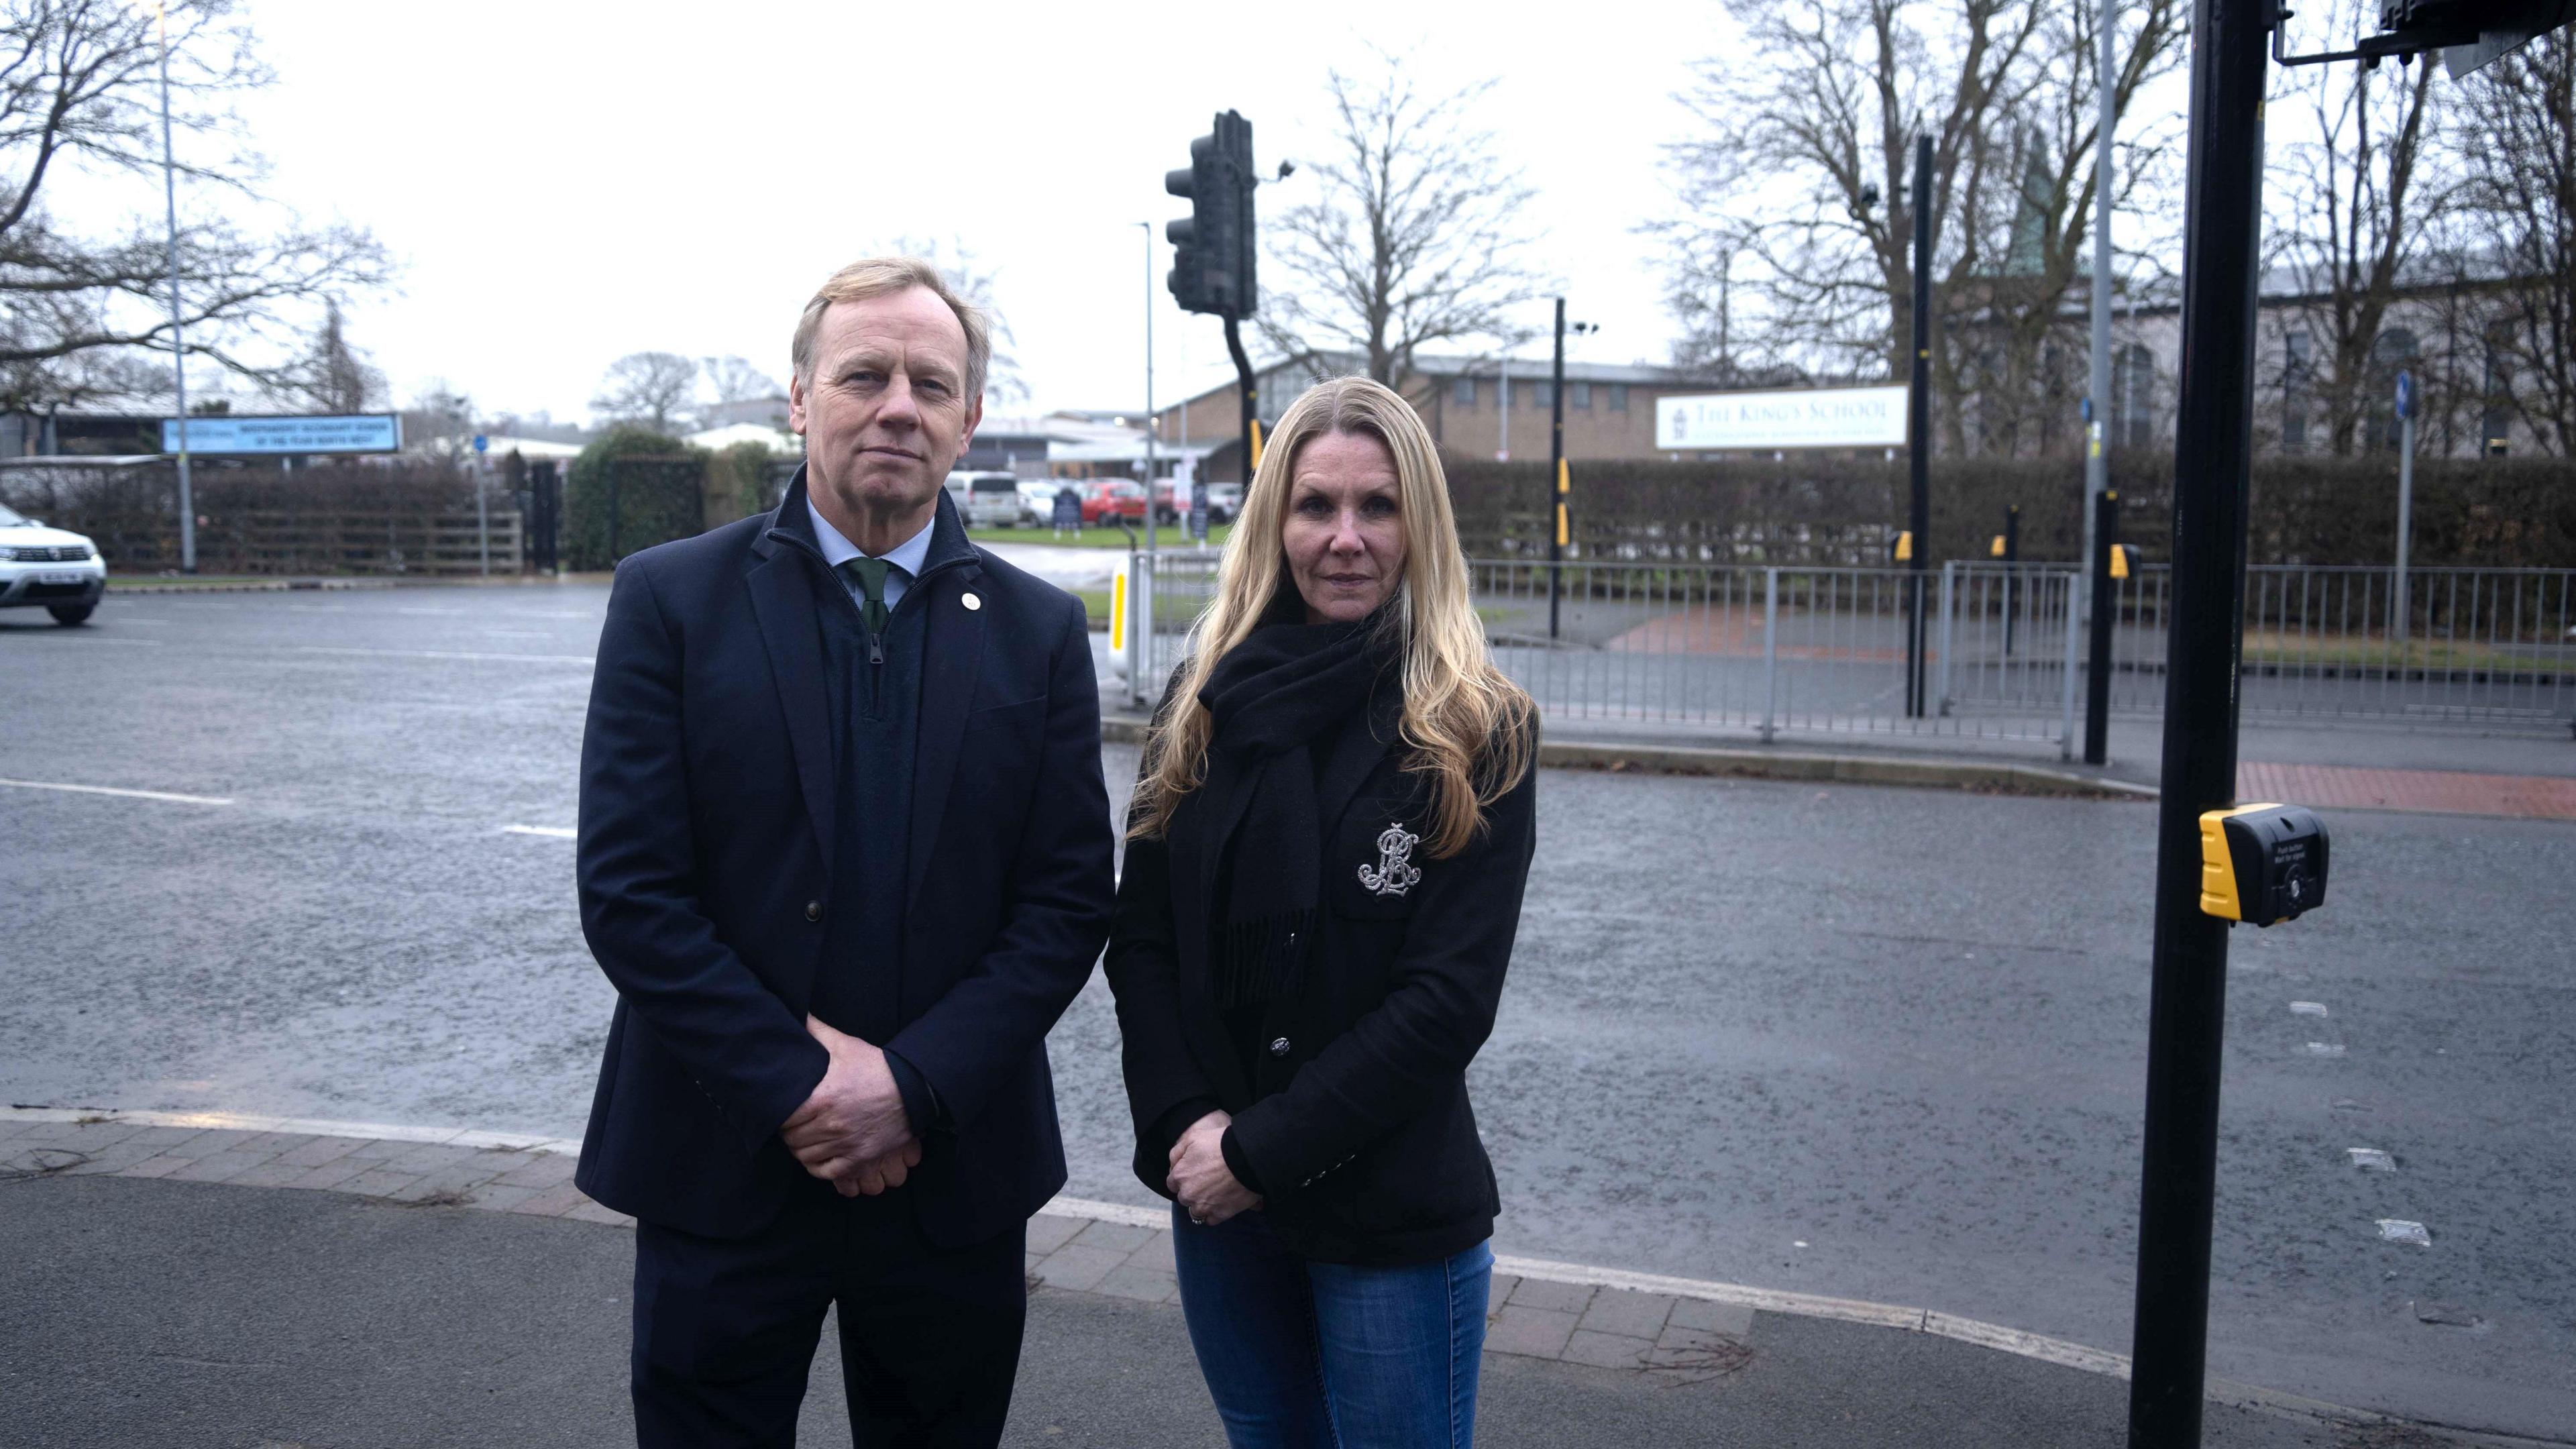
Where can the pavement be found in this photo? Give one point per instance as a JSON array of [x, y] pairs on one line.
[[287, 1289], [307, 856]]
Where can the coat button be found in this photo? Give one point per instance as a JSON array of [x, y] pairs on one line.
[[1279, 1047], [813, 910]]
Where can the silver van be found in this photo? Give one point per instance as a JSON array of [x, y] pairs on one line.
[[986, 500]]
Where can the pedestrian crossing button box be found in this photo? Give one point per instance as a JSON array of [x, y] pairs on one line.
[[2262, 863]]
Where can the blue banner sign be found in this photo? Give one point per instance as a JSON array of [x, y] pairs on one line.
[[358, 433]]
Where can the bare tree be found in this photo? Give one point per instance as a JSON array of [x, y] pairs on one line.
[[79, 95], [1416, 235], [2351, 208], [734, 379], [970, 278], [334, 376], [1791, 250], [439, 422], [652, 388], [2517, 142], [739, 391]]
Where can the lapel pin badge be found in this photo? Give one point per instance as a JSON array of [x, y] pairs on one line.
[[972, 602]]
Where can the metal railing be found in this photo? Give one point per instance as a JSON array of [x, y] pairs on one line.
[[1682, 648], [2473, 647], [1690, 648]]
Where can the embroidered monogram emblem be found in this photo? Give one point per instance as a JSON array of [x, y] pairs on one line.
[[1394, 873]]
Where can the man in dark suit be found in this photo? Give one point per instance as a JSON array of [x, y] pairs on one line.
[[845, 853]]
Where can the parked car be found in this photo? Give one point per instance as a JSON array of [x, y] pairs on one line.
[[1225, 501], [1037, 501], [986, 500], [49, 568], [1113, 500]]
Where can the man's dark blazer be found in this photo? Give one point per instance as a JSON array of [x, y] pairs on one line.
[[707, 828]]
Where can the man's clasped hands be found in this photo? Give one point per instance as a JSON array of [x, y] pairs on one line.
[[853, 1134], [852, 1131]]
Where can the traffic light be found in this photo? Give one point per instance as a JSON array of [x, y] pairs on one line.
[[2468, 33], [1212, 265]]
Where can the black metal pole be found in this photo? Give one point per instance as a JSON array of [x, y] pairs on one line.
[[2012, 555], [2106, 613], [1556, 480], [1918, 426], [1250, 418], [2213, 447]]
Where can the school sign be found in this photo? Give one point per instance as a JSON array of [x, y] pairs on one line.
[[1817, 417], [352, 433]]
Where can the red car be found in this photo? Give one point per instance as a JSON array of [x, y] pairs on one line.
[[1113, 500]]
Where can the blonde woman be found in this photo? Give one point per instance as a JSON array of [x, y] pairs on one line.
[[1325, 857]]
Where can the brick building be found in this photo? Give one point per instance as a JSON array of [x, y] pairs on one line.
[[1609, 407]]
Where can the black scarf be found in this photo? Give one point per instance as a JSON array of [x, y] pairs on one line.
[[1271, 698]]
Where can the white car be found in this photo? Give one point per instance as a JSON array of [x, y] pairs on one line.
[[986, 500], [50, 568]]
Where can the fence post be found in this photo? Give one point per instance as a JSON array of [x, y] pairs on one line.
[[2074, 623], [1949, 578], [1770, 651]]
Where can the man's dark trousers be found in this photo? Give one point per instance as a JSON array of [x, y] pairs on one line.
[[725, 1329], [771, 827]]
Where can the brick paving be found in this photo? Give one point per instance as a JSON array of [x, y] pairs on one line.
[[1100, 1248], [2443, 792]]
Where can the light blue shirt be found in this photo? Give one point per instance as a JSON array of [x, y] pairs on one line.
[[906, 556]]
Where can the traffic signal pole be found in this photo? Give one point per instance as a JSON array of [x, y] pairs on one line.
[[2106, 613], [1248, 398], [1918, 428], [1557, 488], [2213, 446]]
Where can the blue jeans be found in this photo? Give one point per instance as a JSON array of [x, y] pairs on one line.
[[1302, 1355]]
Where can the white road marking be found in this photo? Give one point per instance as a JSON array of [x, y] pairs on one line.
[[2371, 1159], [445, 654], [2325, 1049], [2398, 1230], [550, 832], [84, 637], [2307, 1008], [125, 794]]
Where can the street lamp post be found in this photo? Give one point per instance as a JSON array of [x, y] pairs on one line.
[[178, 342]]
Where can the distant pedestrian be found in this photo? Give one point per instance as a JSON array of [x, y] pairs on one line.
[[1068, 511], [845, 855], [1326, 853]]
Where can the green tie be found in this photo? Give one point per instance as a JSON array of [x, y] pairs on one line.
[[870, 575]]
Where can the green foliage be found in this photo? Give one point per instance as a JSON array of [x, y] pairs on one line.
[[654, 486], [738, 481], [1822, 510]]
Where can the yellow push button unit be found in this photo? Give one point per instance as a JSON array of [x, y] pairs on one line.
[[2262, 863]]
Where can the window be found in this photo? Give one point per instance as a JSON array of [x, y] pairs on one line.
[[2495, 426], [1618, 397], [2392, 354], [1578, 395], [2133, 397], [1543, 394], [1463, 391], [2297, 390]]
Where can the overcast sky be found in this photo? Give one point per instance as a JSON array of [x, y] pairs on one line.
[[565, 184]]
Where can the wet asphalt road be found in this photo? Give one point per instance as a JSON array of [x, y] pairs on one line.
[[1882, 1044]]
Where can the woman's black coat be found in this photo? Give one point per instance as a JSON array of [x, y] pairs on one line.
[[1355, 1120]]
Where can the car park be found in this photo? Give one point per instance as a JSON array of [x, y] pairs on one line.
[[49, 568]]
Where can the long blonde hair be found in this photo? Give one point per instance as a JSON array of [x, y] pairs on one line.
[[1465, 724]]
